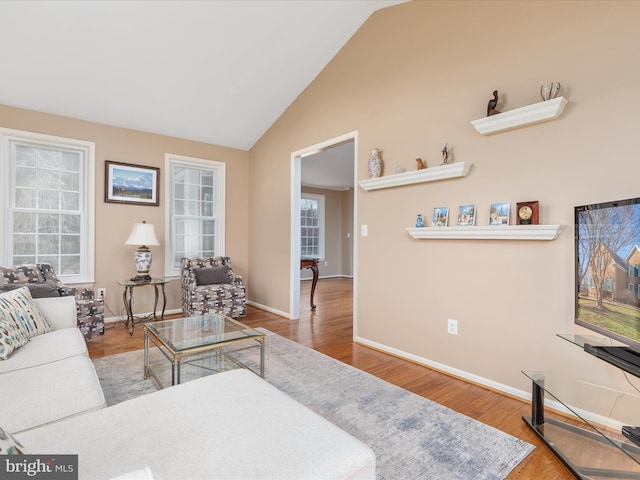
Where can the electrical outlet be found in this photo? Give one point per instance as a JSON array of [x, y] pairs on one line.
[[452, 326], [102, 293]]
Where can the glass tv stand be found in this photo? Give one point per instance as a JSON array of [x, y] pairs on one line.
[[590, 441]]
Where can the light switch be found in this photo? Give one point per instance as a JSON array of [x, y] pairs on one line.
[[364, 230]]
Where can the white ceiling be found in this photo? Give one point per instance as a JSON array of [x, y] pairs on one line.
[[219, 72]]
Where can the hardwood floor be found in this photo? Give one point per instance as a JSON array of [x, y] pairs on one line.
[[329, 330]]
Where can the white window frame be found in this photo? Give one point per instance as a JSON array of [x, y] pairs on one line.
[[87, 197], [321, 225], [199, 163]]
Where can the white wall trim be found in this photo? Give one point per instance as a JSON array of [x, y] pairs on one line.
[[268, 309], [515, 392], [296, 167]]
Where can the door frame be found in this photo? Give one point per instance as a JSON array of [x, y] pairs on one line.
[[296, 168]]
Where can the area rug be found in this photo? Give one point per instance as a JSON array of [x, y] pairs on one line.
[[412, 437]]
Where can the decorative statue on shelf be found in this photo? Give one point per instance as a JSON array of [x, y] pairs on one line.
[[445, 155], [420, 164], [493, 103]]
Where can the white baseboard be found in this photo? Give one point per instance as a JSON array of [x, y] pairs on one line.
[[500, 387], [305, 279], [268, 309]]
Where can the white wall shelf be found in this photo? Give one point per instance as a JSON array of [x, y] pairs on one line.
[[520, 117], [488, 232], [431, 174]]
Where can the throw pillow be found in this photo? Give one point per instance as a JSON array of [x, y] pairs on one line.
[[212, 275], [37, 290], [9, 445], [17, 306], [11, 338]]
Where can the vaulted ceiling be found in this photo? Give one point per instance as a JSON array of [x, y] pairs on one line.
[[219, 72]]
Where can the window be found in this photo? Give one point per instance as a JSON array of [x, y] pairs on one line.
[[312, 225], [195, 209], [47, 208]]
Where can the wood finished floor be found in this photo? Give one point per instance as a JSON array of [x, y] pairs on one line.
[[329, 330]]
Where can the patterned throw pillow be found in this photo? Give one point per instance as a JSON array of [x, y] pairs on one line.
[[17, 306], [11, 338], [9, 445]]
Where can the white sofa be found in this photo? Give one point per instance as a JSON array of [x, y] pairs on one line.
[[231, 425], [51, 377]]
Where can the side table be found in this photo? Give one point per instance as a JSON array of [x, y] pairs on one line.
[[127, 298]]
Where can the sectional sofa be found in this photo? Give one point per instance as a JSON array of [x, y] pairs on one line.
[[231, 425]]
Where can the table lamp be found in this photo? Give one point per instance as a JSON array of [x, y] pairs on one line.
[[144, 236]]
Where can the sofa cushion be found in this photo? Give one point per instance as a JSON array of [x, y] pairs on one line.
[[11, 338], [38, 290], [9, 445], [49, 393], [203, 429], [211, 275], [53, 346], [17, 306]]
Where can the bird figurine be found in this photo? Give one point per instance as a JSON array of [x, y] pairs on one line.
[[493, 103], [420, 164]]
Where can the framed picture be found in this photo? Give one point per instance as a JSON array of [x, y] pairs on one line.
[[136, 184], [499, 213], [466, 216], [440, 217]]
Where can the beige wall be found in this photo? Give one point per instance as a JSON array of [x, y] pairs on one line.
[[114, 259], [411, 79], [338, 210]]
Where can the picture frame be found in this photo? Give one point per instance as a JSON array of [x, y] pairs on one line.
[[132, 184], [440, 217], [466, 216], [499, 213]]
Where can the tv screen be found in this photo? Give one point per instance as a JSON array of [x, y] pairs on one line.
[[607, 249]]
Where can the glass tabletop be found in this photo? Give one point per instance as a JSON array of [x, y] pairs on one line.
[[153, 281], [183, 334], [596, 340]]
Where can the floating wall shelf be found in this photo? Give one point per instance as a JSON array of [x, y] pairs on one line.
[[489, 232], [432, 174], [536, 113]]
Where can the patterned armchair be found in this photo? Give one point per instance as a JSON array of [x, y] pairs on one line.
[[42, 281], [209, 285]]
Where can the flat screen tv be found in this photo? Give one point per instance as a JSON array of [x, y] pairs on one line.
[[607, 266]]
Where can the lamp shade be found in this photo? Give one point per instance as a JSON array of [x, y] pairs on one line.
[[142, 234]]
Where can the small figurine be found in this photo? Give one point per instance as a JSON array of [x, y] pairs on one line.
[[419, 221], [420, 164], [445, 155], [493, 103]]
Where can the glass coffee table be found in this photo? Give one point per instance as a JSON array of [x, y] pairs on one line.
[[182, 349]]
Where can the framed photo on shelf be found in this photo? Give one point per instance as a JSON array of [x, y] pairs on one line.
[[135, 184], [466, 216], [440, 217], [499, 213]]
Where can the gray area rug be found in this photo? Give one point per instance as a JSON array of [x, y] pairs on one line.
[[412, 437]]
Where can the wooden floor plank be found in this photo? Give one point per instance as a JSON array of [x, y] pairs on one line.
[[329, 330]]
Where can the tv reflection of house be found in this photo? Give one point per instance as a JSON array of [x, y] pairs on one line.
[[621, 277]]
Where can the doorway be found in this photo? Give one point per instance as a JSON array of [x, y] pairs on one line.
[[318, 165]]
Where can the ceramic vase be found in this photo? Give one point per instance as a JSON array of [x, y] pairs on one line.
[[419, 221], [375, 163]]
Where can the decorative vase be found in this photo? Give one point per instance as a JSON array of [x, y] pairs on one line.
[[419, 221], [550, 90], [375, 163]]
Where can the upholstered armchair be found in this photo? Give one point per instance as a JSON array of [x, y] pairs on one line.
[[42, 281], [209, 285]]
